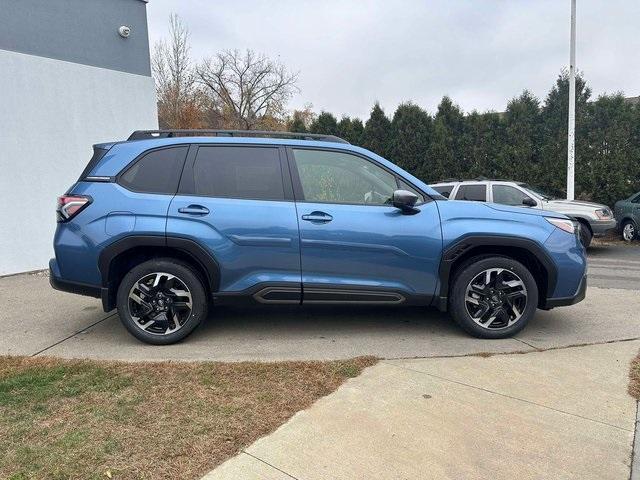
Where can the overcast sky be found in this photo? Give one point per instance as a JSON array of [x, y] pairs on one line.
[[351, 53]]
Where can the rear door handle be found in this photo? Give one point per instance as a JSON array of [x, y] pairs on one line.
[[317, 217], [194, 210]]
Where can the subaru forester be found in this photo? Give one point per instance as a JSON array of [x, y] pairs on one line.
[[169, 224]]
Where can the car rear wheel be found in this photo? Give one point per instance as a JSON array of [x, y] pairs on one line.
[[628, 231], [493, 297], [161, 301]]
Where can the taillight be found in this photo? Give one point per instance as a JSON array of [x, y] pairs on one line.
[[70, 205]]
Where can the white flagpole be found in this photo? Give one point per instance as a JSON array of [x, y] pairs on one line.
[[571, 137]]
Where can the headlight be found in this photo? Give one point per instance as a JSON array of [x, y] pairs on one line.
[[563, 224], [603, 214]]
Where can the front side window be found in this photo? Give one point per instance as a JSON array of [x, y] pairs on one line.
[[238, 172], [156, 172], [508, 195], [636, 199], [405, 186], [336, 177], [475, 193]]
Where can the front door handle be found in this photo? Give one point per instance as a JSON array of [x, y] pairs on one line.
[[194, 210], [317, 217]]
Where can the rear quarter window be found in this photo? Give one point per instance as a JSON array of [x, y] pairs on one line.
[[157, 171], [98, 153]]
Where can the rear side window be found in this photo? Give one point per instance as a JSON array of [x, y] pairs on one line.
[[238, 172], [475, 193], [444, 190], [156, 172]]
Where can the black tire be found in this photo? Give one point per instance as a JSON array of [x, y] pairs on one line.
[[585, 235], [633, 230], [188, 278], [513, 270]]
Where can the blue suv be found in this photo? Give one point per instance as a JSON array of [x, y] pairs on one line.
[[168, 224]]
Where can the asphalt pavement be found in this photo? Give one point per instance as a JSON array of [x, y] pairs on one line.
[[614, 266]]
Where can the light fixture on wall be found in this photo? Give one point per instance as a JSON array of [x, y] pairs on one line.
[[124, 31]]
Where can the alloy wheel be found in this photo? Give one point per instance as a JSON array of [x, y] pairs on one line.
[[628, 232], [496, 298], [160, 303]]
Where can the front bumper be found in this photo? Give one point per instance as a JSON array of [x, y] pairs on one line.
[[600, 227], [564, 301]]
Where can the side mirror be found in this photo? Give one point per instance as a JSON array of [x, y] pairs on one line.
[[529, 202], [405, 201]]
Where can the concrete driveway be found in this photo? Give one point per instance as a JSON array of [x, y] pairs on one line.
[[556, 414], [40, 321]]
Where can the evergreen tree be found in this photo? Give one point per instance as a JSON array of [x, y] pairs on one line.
[[610, 166], [519, 158], [351, 130], [325, 124], [296, 123], [411, 130], [481, 144], [377, 132], [446, 150], [357, 132], [345, 128]]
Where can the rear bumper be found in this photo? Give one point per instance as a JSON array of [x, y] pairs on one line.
[[71, 287], [564, 301]]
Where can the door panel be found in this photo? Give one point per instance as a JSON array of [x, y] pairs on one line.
[[254, 240], [371, 246], [355, 246]]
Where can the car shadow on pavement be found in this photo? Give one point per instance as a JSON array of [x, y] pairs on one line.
[[290, 318]]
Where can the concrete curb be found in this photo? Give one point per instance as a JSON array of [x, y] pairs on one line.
[[635, 454]]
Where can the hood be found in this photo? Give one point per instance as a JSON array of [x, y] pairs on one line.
[[524, 210], [577, 203]]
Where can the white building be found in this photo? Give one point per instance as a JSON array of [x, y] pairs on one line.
[[70, 77]]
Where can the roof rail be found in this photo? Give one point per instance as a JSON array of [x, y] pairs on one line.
[[148, 134], [480, 178]]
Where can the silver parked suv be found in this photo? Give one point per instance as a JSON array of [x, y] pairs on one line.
[[595, 219]]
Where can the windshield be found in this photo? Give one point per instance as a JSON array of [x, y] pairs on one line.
[[538, 191]]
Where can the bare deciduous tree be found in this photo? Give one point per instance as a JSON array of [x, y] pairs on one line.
[[180, 102], [252, 89]]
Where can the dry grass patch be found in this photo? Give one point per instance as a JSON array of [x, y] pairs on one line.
[[613, 237], [80, 419], [634, 378]]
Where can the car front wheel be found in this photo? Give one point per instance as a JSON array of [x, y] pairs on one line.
[[493, 297], [161, 301]]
